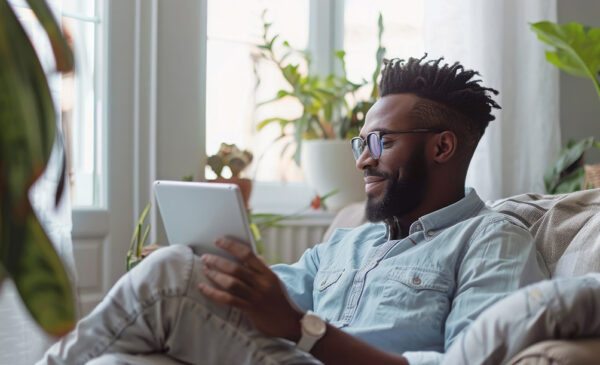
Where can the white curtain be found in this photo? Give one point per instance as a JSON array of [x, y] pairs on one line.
[[493, 37], [21, 340]]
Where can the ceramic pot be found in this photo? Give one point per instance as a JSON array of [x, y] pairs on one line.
[[329, 165], [245, 186]]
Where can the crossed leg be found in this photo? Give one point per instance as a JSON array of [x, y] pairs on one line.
[[156, 307]]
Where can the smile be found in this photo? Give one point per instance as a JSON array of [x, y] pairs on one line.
[[373, 184]]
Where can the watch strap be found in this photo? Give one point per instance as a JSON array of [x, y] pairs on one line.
[[308, 340]]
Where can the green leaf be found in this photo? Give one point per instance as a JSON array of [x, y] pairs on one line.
[[137, 230], [280, 95], [27, 117], [577, 48], [60, 47], [283, 122], [572, 182], [143, 241], [569, 155], [38, 274], [28, 124]]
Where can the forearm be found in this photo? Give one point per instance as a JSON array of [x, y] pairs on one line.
[[338, 347]]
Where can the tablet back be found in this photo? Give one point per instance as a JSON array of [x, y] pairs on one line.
[[196, 214]]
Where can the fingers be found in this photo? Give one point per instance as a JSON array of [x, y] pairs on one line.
[[222, 297], [242, 252], [228, 267], [229, 284]]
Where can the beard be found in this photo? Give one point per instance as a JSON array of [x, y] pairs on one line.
[[401, 195]]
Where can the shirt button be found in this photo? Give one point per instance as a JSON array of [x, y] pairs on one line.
[[324, 282], [430, 233], [417, 281]]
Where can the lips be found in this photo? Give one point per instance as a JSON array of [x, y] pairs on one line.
[[373, 183]]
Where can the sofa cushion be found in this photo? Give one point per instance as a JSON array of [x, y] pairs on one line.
[[563, 308], [560, 352], [565, 227]]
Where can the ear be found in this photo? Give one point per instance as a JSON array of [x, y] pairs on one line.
[[445, 147]]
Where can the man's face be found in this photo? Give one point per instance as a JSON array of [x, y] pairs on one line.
[[395, 184]]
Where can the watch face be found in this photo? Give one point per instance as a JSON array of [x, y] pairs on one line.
[[314, 325]]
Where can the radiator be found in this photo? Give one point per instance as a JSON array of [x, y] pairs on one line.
[[286, 244]]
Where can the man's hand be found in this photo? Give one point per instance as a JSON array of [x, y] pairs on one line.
[[253, 288]]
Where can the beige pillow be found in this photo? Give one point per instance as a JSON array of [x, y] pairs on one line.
[[565, 227]]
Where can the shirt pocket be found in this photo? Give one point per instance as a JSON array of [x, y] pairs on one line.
[[417, 296], [325, 279], [328, 293]]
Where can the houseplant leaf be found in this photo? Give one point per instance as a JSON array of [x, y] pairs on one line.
[[27, 121], [572, 182], [60, 47], [577, 48], [566, 163], [38, 274]]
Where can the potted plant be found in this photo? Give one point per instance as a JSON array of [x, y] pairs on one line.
[[331, 115], [29, 132], [235, 160], [577, 52]]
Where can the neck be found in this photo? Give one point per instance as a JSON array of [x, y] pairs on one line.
[[398, 226]]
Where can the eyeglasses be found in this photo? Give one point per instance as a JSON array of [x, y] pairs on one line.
[[375, 142]]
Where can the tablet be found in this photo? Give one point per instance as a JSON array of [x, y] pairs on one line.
[[196, 214]]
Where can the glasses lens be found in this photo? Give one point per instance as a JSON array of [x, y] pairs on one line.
[[357, 144], [374, 145]]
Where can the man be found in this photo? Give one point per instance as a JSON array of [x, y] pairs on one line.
[[398, 290]]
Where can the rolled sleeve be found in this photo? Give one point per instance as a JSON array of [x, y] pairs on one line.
[[298, 277]]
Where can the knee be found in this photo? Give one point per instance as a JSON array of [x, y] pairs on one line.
[[167, 269]]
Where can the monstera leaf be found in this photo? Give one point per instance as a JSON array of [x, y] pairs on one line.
[[28, 124]]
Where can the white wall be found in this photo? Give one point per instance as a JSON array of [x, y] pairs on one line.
[[579, 103]]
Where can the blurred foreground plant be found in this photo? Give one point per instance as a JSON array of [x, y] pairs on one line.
[[29, 131]]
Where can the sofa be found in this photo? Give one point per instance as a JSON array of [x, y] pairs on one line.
[[566, 230]]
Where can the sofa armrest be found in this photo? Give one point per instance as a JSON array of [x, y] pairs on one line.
[[350, 216], [560, 352]]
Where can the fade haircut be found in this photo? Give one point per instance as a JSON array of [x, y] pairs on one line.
[[451, 99]]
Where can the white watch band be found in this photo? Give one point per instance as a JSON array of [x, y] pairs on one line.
[[306, 343], [313, 328]]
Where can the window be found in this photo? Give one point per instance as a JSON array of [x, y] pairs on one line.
[[402, 35], [233, 72], [232, 90], [81, 102], [78, 92]]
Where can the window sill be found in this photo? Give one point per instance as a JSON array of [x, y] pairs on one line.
[[287, 199]]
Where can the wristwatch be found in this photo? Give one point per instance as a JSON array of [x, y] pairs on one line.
[[313, 328]]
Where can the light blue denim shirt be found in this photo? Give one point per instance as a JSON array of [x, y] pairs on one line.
[[413, 296]]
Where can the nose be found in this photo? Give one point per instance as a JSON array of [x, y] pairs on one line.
[[365, 160]]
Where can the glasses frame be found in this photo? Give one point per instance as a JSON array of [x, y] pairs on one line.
[[379, 135]]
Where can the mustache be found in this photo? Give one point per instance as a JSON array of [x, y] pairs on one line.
[[372, 172]]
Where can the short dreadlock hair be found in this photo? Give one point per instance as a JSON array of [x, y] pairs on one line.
[[451, 99]]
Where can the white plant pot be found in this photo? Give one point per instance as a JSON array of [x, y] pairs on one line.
[[329, 165]]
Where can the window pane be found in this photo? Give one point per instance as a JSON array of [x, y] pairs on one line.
[[232, 90], [402, 36], [81, 103]]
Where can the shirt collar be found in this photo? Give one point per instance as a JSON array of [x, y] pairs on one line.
[[433, 223]]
